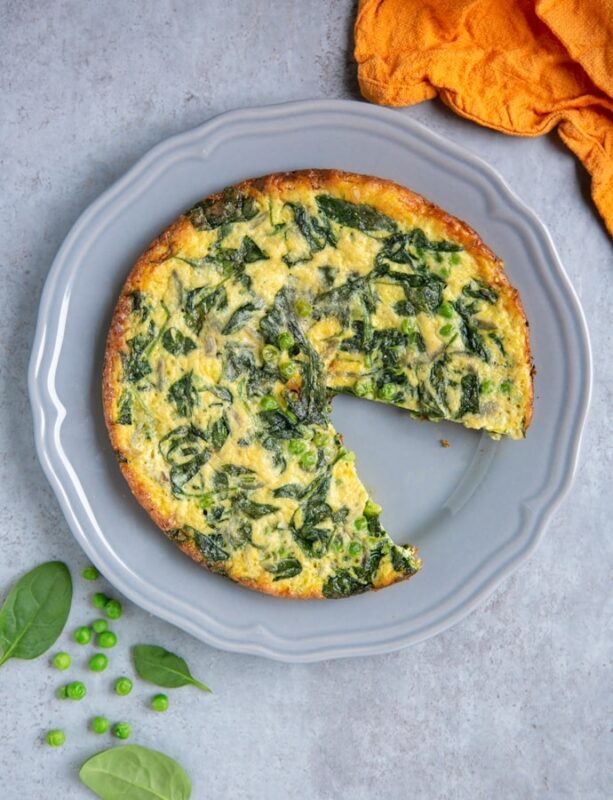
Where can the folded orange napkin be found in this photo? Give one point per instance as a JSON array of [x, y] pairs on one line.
[[520, 66]]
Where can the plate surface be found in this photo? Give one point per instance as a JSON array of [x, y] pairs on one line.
[[476, 509]]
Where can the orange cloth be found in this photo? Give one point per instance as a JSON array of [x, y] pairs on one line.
[[520, 66]]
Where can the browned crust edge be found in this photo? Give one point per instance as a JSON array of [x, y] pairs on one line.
[[276, 183]]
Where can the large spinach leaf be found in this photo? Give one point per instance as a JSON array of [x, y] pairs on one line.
[[35, 611], [135, 772]]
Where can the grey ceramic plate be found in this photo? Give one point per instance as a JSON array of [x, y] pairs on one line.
[[476, 510]]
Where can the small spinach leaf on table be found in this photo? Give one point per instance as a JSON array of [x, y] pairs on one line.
[[135, 772], [163, 668], [35, 611]]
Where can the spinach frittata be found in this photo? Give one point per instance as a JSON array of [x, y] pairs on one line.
[[241, 322]]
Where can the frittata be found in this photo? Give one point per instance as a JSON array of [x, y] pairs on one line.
[[240, 323]]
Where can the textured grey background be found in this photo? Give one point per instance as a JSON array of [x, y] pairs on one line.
[[515, 701]]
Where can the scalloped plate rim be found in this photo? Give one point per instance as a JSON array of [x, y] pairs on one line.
[[265, 642]]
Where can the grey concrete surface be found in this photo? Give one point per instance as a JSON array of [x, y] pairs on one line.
[[514, 702]]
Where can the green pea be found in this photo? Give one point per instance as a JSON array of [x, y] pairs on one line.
[[76, 690], [268, 403], [387, 392], [159, 702], [361, 524], [98, 662], [61, 693], [269, 354], [113, 609], [355, 548], [296, 446], [308, 460], [445, 310], [303, 308], [286, 340], [446, 330], [505, 387], [455, 258], [288, 369], [61, 661], [123, 686], [207, 500], [486, 387], [56, 738], [99, 600], [320, 439], [337, 544], [444, 272], [99, 724], [106, 639], [371, 509], [362, 387], [83, 635], [122, 730], [99, 625], [407, 326], [90, 573]]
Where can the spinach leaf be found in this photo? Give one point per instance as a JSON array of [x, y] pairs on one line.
[[136, 364], [401, 562], [239, 318], [469, 403], [498, 341], [184, 448], [344, 584], [423, 290], [292, 490], [183, 395], [278, 425], [35, 611], [163, 668], [420, 241], [373, 558], [238, 361], [231, 206], [136, 772], [210, 545], [286, 568], [314, 541], [218, 432], [140, 305], [473, 341], [124, 408], [198, 304], [428, 405], [177, 343], [251, 252], [479, 291], [328, 274], [438, 380], [252, 509], [359, 216], [317, 233]]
